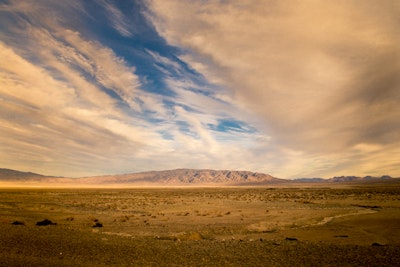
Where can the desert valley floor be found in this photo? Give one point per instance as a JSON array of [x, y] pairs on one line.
[[346, 225]]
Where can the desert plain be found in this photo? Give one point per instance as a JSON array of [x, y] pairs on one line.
[[293, 225]]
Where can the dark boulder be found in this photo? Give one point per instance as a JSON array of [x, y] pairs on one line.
[[98, 224], [45, 222], [375, 244]]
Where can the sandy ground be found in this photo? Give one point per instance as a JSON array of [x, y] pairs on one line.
[[349, 226]]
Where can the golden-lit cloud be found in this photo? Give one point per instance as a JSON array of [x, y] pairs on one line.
[[72, 106], [49, 115], [291, 88], [322, 76]]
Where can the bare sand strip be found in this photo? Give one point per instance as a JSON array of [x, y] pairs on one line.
[[331, 218]]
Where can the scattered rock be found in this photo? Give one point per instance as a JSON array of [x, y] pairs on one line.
[[18, 223], [375, 244], [341, 236], [291, 239], [98, 224], [45, 222]]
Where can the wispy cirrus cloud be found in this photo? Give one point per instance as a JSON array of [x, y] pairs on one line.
[[72, 106], [58, 119], [117, 18], [61, 96], [304, 88], [320, 76]]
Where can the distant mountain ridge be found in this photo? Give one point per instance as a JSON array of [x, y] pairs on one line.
[[157, 178], [178, 177], [10, 175], [188, 177], [341, 179]]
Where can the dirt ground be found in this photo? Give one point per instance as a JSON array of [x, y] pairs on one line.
[[269, 226]]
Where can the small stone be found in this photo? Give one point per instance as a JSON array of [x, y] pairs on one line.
[[17, 223]]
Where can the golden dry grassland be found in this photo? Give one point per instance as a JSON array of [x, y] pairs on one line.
[[276, 226]]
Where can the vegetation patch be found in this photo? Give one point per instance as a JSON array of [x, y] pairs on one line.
[[45, 222]]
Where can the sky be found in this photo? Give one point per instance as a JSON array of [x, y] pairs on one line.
[[291, 88]]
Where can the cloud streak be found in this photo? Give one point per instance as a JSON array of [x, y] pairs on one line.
[[320, 76], [73, 106], [117, 18], [52, 118], [299, 88]]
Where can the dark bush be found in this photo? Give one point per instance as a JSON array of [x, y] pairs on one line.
[[45, 222], [97, 224]]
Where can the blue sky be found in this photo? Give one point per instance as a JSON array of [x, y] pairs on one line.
[[294, 89]]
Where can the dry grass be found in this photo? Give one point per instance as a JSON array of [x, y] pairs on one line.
[[221, 225]]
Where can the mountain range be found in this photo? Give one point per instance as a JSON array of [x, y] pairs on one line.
[[178, 177]]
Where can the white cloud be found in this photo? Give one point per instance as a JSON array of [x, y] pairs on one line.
[[312, 84], [18, 76], [312, 72], [62, 122], [109, 70], [52, 120], [165, 61], [117, 19]]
